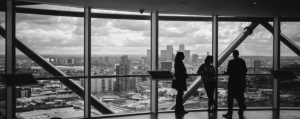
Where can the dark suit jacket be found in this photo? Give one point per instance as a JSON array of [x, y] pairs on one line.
[[237, 73], [180, 76]]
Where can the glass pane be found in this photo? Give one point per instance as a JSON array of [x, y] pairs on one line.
[[57, 39], [194, 39], [289, 88], [120, 47], [48, 99], [257, 51], [258, 92], [2, 70], [127, 101]]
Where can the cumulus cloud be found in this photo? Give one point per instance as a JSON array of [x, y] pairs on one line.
[[64, 35]]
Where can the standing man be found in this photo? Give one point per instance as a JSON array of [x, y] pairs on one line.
[[236, 84]]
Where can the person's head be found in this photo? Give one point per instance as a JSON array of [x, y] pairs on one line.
[[235, 54], [179, 56], [208, 59]]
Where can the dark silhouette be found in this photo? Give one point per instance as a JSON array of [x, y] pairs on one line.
[[180, 82], [207, 72], [212, 115], [236, 84]]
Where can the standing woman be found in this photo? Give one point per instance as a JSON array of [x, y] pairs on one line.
[[180, 82], [207, 72]]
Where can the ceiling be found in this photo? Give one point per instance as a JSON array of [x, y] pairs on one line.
[[249, 8]]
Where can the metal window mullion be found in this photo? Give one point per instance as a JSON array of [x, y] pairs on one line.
[[276, 66], [215, 50], [154, 62], [87, 62], [10, 55]]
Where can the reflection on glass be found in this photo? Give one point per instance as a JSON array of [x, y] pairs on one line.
[[48, 99]]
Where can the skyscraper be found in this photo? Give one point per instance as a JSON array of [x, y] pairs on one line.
[[166, 66], [122, 83], [181, 48], [148, 56], [169, 53], [195, 59]]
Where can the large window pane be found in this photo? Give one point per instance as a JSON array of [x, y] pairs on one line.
[[120, 47], [289, 88], [194, 39], [59, 41], [2, 69], [257, 51]]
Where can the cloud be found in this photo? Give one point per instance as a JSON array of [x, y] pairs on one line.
[[64, 35]]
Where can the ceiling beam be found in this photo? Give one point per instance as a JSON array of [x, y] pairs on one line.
[[147, 17]]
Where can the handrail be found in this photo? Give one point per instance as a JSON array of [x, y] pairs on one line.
[[113, 76]]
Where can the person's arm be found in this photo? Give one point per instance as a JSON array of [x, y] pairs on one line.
[[244, 67], [228, 68]]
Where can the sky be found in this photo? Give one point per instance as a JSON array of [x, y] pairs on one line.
[[64, 35]]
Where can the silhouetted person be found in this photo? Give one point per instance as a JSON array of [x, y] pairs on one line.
[[236, 84], [207, 72], [180, 82]]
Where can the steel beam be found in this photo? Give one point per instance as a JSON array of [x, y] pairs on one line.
[[154, 63], [289, 43], [196, 84], [226, 53], [147, 17], [87, 62], [56, 72]]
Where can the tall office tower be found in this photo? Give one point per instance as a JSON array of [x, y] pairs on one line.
[[169, 53], [163, 55], [195, 59], [122, 69], [106, 60], [207, 53], [148, 56], [70, 61], [187, 54], [181, 48], [257, 66], [101, 85], [166, 66]]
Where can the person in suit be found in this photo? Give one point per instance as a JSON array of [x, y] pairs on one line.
[[180, 82], [207, 72], [236, 70]]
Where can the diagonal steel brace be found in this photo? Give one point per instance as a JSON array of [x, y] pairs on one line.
[[56, 72], [289, 43]]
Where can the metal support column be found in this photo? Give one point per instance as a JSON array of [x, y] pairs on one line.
[[276, 66], [215, 50], [154, 63], [87, 62], [10, 53]]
